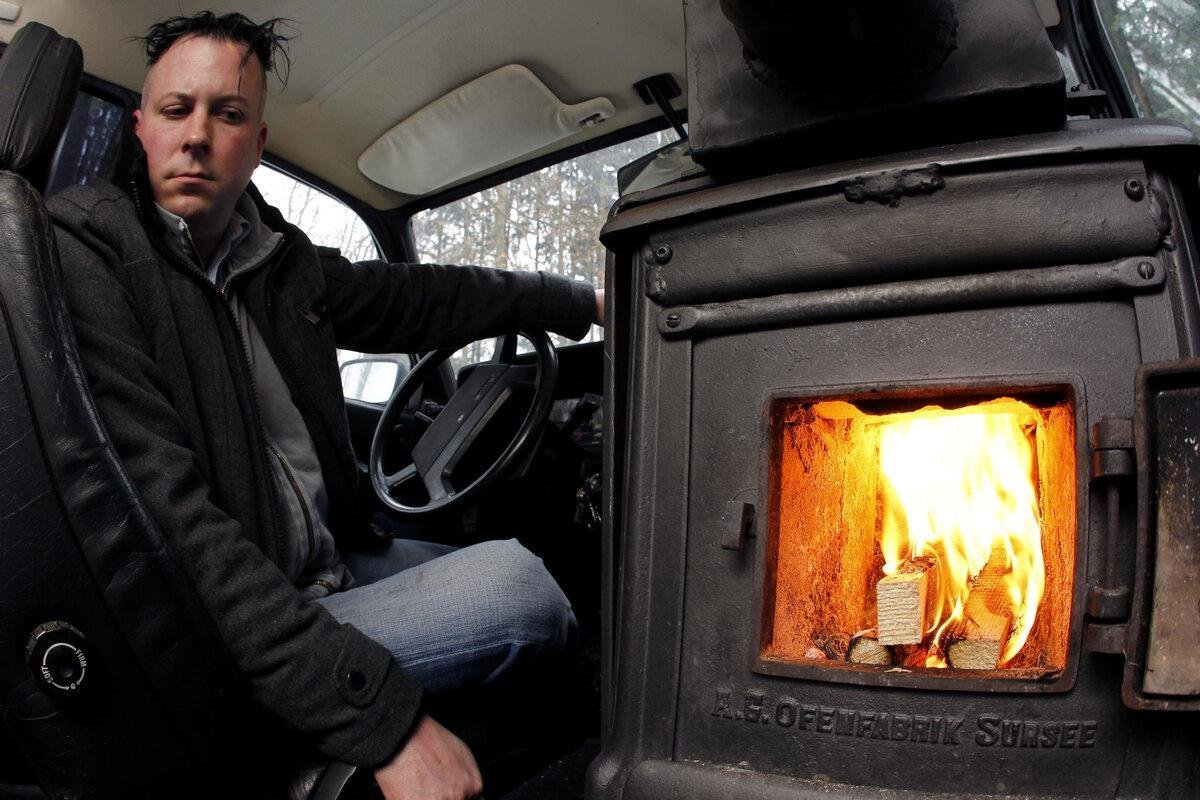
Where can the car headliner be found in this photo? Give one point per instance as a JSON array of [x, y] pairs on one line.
[[359, 68]]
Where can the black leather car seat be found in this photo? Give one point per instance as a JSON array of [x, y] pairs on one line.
[[113, 683]]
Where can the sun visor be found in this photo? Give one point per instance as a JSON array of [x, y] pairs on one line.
[[500, 116]]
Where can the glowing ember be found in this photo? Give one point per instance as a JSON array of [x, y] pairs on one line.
[[960, 486]]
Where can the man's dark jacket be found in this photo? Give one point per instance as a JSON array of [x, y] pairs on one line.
[[169, 374]]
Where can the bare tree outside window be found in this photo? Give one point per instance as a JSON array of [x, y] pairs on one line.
[[1157, 43], [547, 221], [90, 144], [327, 221]]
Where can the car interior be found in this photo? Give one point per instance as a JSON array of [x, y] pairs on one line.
[[492, 132], [525, 465]]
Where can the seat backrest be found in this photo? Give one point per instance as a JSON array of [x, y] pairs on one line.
[[112, 680]]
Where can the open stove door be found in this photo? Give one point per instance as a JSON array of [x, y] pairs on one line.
[[1162, 656]]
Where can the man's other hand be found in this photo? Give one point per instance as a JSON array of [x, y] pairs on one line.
[[433, 764], [600, 307]]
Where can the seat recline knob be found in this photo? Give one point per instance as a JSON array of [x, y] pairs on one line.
[[57, 655]]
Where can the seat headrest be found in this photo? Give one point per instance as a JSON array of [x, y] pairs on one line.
[[39, 77]]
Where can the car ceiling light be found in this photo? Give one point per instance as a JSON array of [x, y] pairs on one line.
[[503, 115]]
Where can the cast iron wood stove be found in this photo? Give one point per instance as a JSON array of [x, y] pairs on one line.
[[909, 446]]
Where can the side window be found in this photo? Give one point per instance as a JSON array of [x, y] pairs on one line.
[[1157, 43], [328, 221], [547, 221], [331, 223], [90, 144]]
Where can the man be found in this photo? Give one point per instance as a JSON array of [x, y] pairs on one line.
[[207, 325]]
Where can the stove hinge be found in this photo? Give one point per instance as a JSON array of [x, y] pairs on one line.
[[1114, 473]]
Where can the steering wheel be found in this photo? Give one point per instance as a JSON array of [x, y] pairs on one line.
[[466, 415]]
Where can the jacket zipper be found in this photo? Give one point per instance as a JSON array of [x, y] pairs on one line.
[[301, 497], [195, 252], [308, 393], [275, 253], [194, 272]]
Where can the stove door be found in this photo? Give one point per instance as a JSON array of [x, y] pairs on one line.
[[1163, 661]]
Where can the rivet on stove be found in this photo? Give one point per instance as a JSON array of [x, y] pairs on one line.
[[1146, 269], [663, 253], [1135, 189], [672, 320]]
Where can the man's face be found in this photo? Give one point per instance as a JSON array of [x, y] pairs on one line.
[[201, 126]]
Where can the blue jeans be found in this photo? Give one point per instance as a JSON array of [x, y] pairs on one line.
[[456, 618]]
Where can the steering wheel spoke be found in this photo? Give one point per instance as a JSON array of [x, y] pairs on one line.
[[397, 478], [522, 375], [506, 350], [435, 484]]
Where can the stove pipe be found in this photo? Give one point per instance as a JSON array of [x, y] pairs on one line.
[[826, 50]]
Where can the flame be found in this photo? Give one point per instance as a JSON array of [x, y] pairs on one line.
[[961, 488]]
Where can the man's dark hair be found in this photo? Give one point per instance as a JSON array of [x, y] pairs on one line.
[[260, 39]]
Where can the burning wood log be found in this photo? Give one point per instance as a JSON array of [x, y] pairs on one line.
[[910, 656], [866, 649], [833, 643], [904, 601], [978, 642]]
